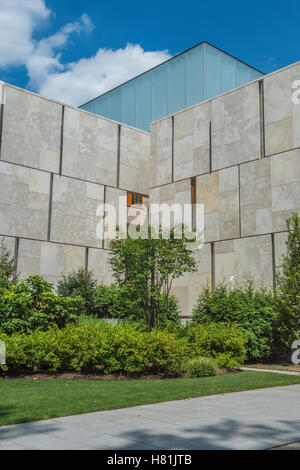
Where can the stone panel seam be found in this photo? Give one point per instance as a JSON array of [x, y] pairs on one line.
[[262, 118], [61, 139], [273, 259], [16, 258], [71, 177], [1, 125], [50, 207], [210, 147], [103, 221], [213, 271], [172, 169], [86, 259], [226, 167], [118, 157], [239, 201]]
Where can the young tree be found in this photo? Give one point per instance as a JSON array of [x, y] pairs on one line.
[[7, 265], [149, 266], [288, 288]]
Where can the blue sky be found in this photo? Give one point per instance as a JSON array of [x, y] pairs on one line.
[[72, 50]]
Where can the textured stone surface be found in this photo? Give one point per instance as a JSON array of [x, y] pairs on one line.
[[188, 287], [191, 142], [9, 243], [31, 130], [74, 206], [175, 193], [280, 247], [98, 264], [282, 116], [49, 260], [90, 147], [270, 192], [219, 193], [113, 197], [236, 127], [24, 201], [161, 152], [134, 160], [237, 261]]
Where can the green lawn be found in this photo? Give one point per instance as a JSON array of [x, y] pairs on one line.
[[30, 400]]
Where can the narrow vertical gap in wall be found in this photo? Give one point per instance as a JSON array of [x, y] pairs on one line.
[[193, 201], [1, 124], [50, 207], [262, 119], [239, 201], [86, 266], [273, 259], [210, 149], [118, 155], [16, 257], [104, 201], [213, 275], [61, 139], [172, 149]]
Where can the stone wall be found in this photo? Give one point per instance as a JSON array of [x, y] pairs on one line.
[[242, 148], [57, 164]]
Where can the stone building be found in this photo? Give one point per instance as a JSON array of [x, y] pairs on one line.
[[237, 152]]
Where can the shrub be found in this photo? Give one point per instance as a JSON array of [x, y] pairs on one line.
[[200, 367], [119, 349], [222, 342], [83, 284], [7, 264], [288, 290], [123, 302], [252, 311], [31, 304]]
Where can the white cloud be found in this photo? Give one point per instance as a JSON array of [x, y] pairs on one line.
[[87, 78], [75, 82], [18, 19]]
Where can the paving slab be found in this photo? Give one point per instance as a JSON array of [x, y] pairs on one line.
[[253, 420]]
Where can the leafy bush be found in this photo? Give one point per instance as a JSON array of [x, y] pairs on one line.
[[31, 304], [118, 349], [222, 342], [123, 302], [288, 290], [83, 284], [7, 266], [253, 311], [200, 367]]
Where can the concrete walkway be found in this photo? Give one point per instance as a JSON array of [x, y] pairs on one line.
[[256, 419]]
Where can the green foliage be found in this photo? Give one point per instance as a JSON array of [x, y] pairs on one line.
[[31, 304], [200, 367], [7, 266], [122, 349], [253, 311], [123, 302], [82, 284], [223, 342], [146, 266], [288, 290]]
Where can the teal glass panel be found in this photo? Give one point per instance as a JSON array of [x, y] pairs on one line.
[[114, 104], [128, 104], [176, 84], [254, 74], [228, 75], [102, 106], [194, 75], [242, 73], [159, 92], [143, 101], [212, 72]]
